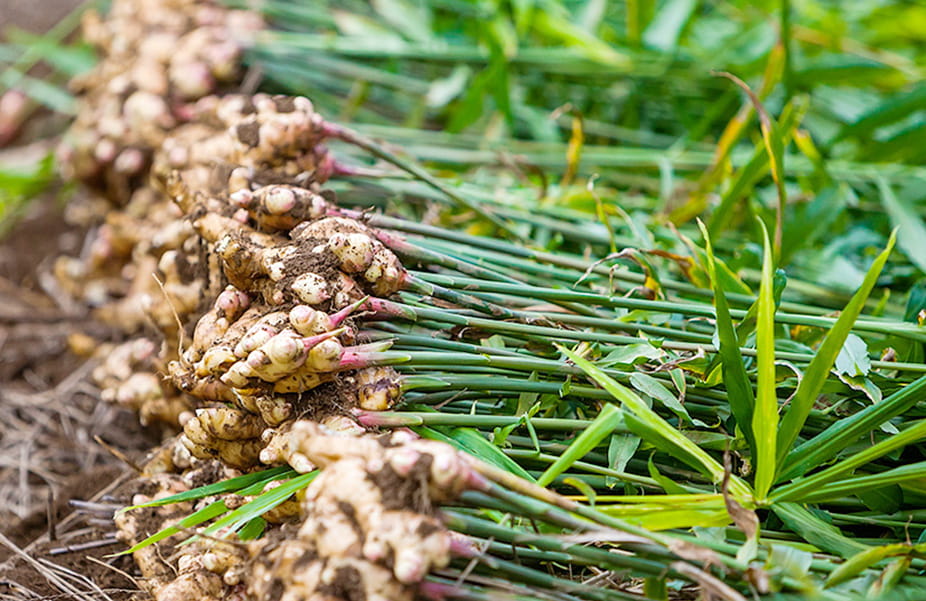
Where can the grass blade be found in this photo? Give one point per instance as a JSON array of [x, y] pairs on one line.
[[471, 441], [657, 430], [795, 490], [602, 427], [816, 373], [191, 521], [225, 486], [765, 416], [844, 432], [863, 560], [262, 504], [739, 388], [898, 475], [911, 232]]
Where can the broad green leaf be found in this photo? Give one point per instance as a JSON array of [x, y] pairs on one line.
[[911, 232], [621, 449], [765, 416], [600, 428], [659, 432], [631, 354], [652, 387], [853, 359], [814, 530], [474, 443], [816, 373], [884, 499]]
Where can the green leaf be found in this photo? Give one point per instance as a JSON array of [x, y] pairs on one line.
[[412, 19], [621, 450], [631, 354], [600, 428], [236, 519], [853, 359], [863, 560], [253, 529], [654, 429], [796, 490], [826, 445], [916, 302], [897, 475], [765, 416], [886, 499], [816, 373], [664, 30], [652, 387], [739, 389], [471, 441], [815, 531], [911, 233], [235, 485], [196, 518], [894, 108]]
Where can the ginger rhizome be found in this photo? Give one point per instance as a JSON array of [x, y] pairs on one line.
[[239, 288]]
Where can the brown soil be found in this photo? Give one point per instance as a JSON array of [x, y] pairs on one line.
[[50, 415]]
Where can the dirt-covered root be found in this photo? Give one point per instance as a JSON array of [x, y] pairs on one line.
[[167, 570], [128, 374], [158, 56], [370, 531]]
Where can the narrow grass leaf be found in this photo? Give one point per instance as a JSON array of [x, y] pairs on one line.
[[253, 529], [894, 108], [794, 491], [817, 372], [601, 427], [863, 560], [196, 518], [898, 475], [826, 445], [658, 431], [739, 389], [765, 416], [225, 486], [261, 505], [664, 30]]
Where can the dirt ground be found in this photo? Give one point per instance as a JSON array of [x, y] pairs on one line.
[[58, 485], [36, 16]]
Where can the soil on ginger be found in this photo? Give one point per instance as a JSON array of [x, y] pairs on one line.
[[50, 414]]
